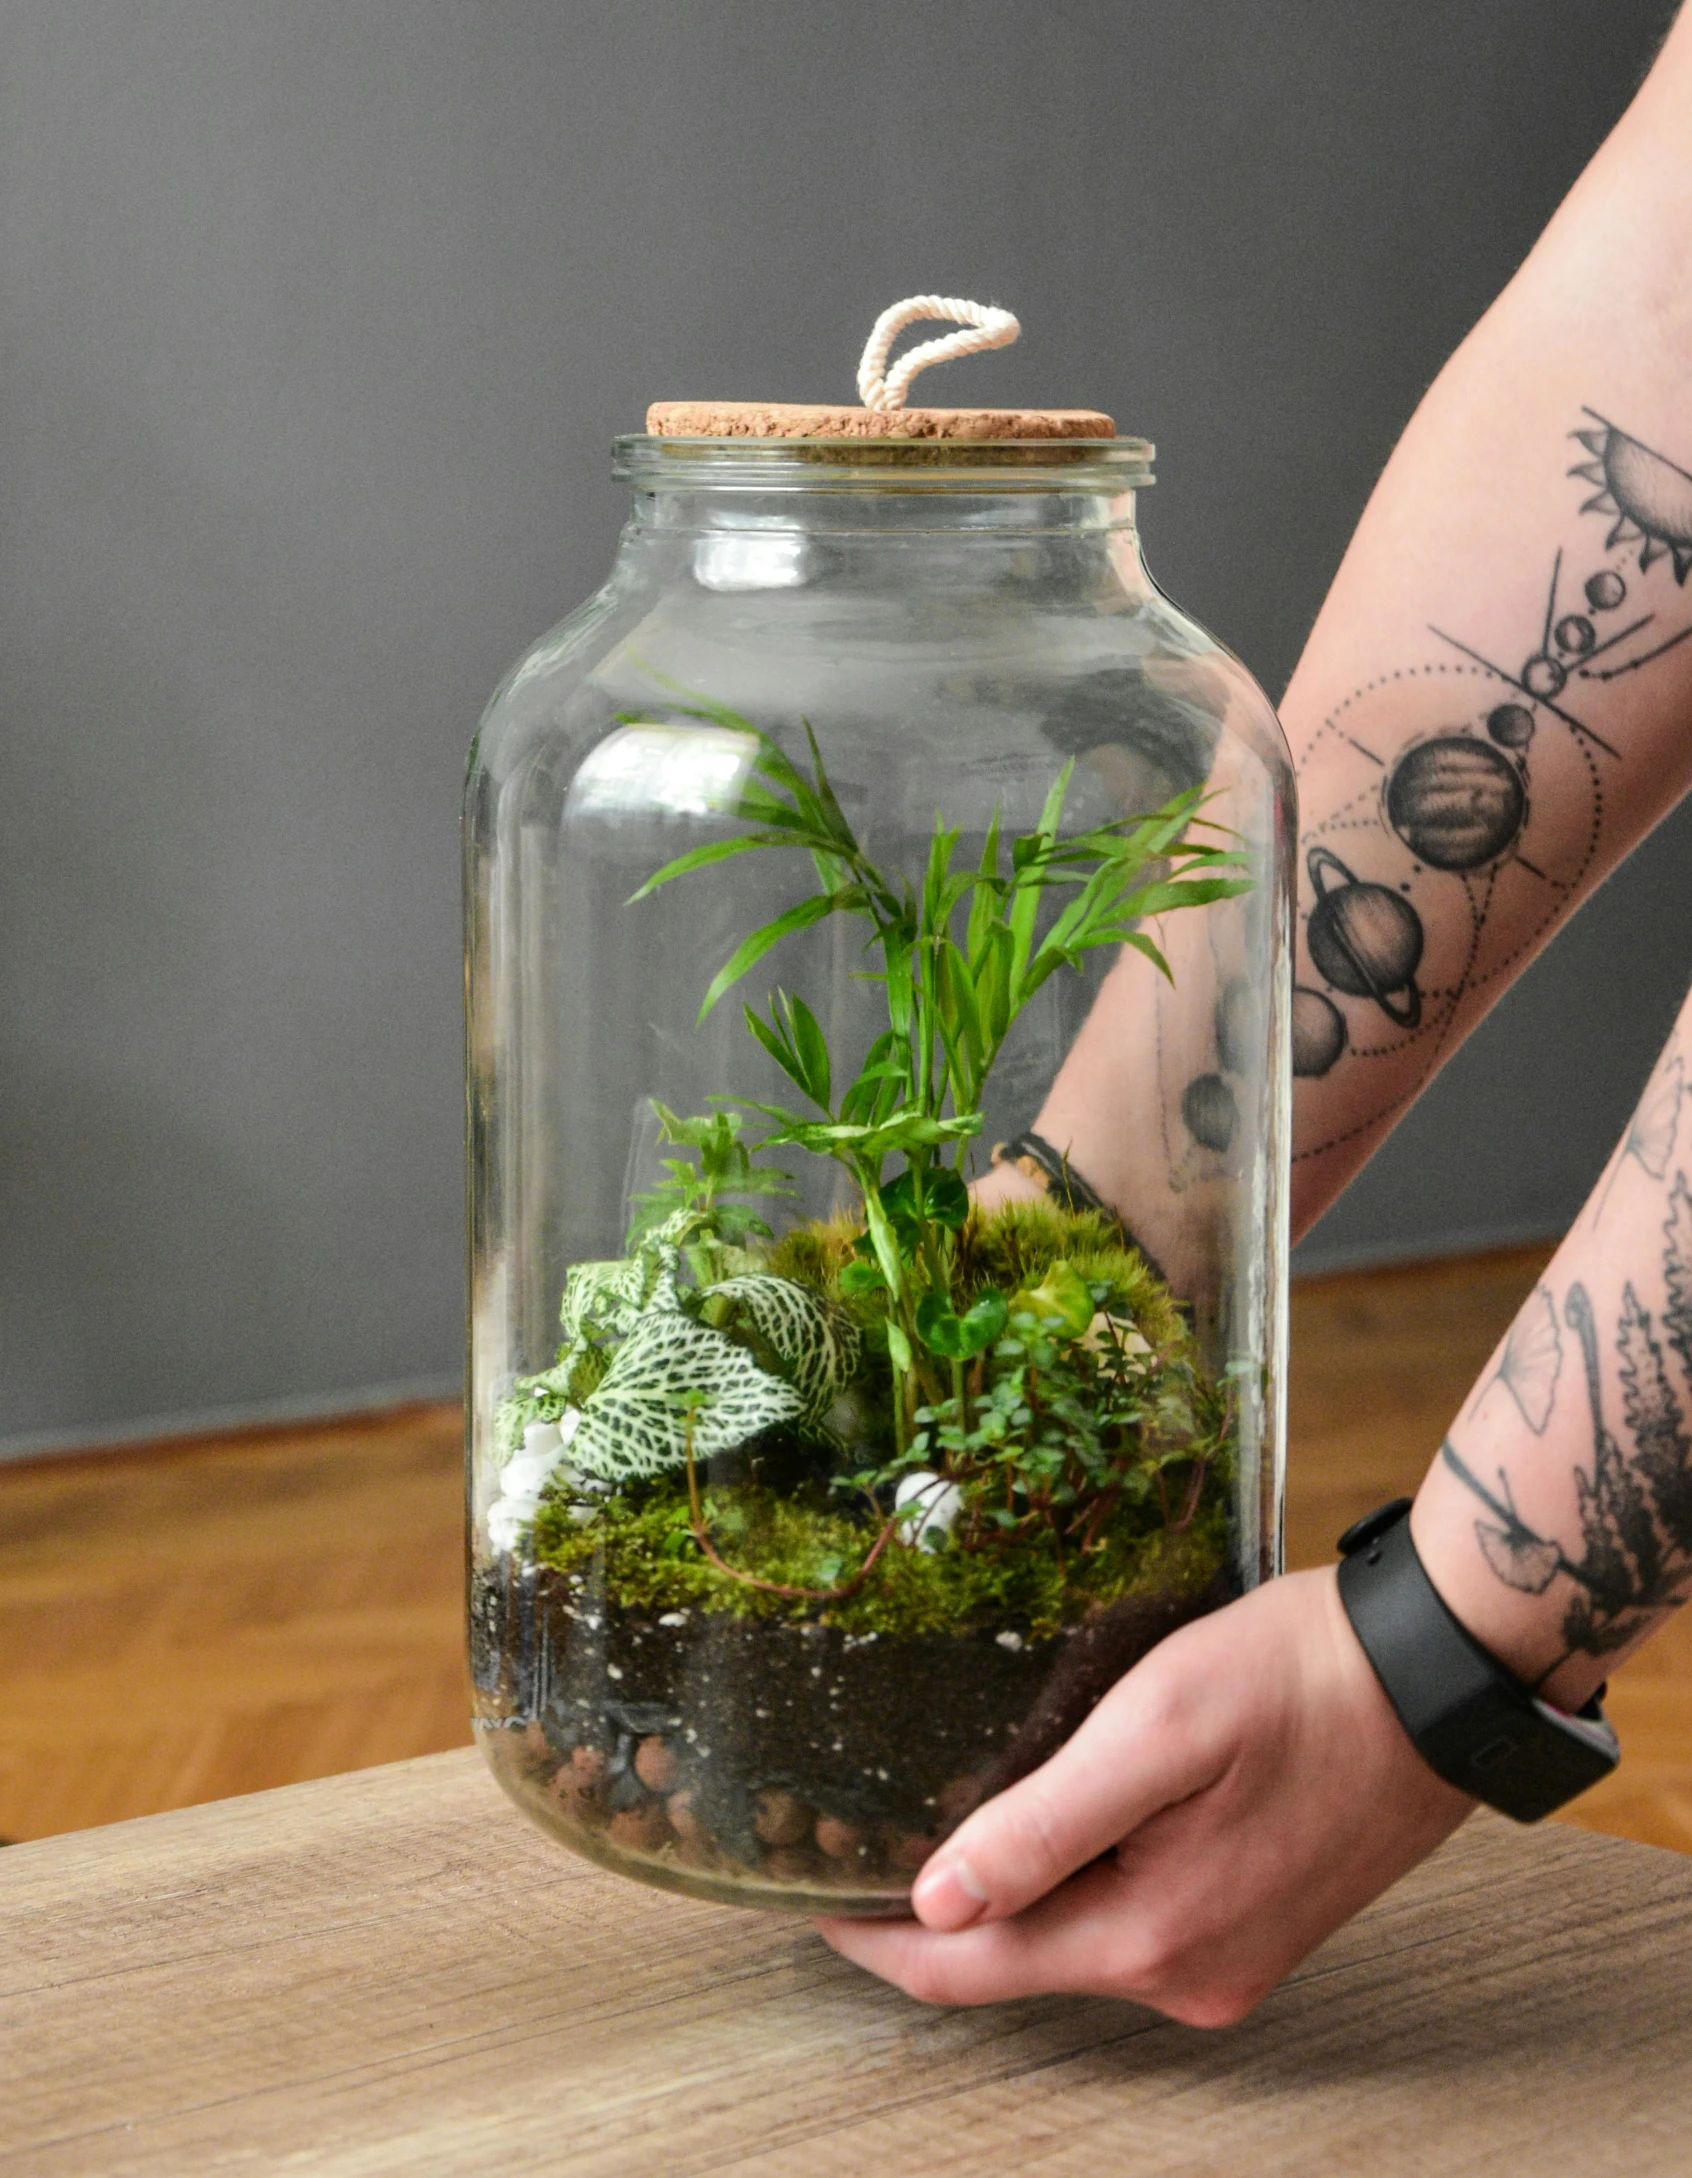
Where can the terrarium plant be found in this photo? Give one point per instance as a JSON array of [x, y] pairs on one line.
[[918, 1422]]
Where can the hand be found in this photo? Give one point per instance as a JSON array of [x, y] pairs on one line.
[[1249, 1789]]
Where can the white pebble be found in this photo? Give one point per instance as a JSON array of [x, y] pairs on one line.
[[673, 1618], [505, 1519], [939, 1503], [542, 1440], [1008, 1640], [527, 1475]]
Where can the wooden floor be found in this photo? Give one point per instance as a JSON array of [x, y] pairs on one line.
[[216, 1616]]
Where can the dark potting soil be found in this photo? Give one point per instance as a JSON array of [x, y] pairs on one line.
[[888, 1735]]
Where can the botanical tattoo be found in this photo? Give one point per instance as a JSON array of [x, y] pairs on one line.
[[1533, 1354], [1446, 860], [1649, 1140], [1635, 1505]]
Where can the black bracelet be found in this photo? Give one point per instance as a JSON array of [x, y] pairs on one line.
[[1070, 1188], [1473, 1722]]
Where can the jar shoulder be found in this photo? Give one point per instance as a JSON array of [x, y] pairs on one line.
[[909, 681]]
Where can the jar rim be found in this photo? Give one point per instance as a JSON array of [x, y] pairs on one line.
[[883, 464]]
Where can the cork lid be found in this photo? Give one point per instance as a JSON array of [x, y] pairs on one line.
[[819, 420], [882, 392]]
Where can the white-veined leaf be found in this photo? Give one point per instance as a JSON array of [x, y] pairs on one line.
[[816, 1342], [636, 1424]]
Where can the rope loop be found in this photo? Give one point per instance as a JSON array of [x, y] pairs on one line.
[[985, 326]]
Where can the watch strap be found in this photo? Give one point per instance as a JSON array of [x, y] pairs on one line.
[[1473, 1722]]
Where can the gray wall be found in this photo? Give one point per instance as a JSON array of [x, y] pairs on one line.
[[315, 320]]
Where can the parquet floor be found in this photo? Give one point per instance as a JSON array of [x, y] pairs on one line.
[[219, 1615]]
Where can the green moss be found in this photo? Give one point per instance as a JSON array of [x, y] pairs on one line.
[[643, 1552]]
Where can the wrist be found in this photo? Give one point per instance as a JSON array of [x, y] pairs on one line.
[[1521, 1631], [1471, 1719]]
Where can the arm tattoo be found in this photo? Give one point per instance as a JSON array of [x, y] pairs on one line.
[[1446, 858], [1635, 1506]]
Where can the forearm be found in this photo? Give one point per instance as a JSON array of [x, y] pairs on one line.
[[1496, 700], [1557, 1521], [1495, 703]]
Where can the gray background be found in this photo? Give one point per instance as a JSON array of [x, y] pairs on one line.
[[316, 320]]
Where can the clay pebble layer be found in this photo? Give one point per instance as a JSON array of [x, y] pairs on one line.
[[774, 1750]]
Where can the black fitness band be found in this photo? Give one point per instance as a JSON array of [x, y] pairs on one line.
[[1473, 1722], [1067, 1184]]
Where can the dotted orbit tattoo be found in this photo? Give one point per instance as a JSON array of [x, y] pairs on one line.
[[1454, 809]]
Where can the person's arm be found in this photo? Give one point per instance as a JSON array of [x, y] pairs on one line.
[[1247, 1787], [1493, 705]]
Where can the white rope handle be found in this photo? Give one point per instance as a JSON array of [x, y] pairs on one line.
[[985, 326]]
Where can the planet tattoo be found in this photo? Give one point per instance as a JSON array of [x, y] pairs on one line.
[[1605, 590], [1208, 1107], [1318, 1031], [1544, 676], [1364, 939], [1236, 1026], [1510, 725], [1456, 802]]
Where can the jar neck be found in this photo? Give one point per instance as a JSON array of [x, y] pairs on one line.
[[883, 513], [885, 486], [1051, 518]]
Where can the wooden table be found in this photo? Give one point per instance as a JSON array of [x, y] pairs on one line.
[[391, 1972]]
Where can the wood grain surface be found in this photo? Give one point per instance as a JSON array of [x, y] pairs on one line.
[[391, 1972], [222, 1615]]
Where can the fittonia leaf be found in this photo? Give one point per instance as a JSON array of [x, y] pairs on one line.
[[674, 1378], [816, 1342]]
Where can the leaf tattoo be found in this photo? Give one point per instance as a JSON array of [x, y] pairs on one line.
[[1677, 1267], [1533, 1355], [1621, 1563], [1635, 1504], [1651, 1132]]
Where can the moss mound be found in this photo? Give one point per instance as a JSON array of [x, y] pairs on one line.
[[642, 1553]]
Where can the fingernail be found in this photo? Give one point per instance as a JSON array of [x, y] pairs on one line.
[[950, 1896]]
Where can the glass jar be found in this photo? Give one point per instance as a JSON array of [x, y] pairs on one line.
[[826, 1462]]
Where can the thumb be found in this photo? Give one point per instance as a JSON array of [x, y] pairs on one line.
[[1142, 1749]]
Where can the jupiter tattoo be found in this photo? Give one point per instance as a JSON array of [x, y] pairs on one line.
[[1448, 857]]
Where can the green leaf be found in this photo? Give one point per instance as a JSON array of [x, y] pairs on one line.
[[812, 1048], [751, 950], [861, 1277], [701, 858], [899, 1348], [944, 1198], [671, 1374], [960, 1338], [1062, 1293], [816, 1342], [983, 909], [875, 1093], [777, 1046]]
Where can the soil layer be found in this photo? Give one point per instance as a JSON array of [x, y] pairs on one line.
[[757, 1751]]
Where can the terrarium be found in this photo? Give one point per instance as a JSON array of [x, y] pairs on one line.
[[878, 932]]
